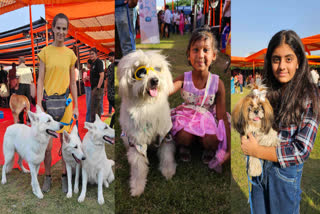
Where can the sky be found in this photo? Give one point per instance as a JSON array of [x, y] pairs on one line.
[[253, 22], [20, 17]]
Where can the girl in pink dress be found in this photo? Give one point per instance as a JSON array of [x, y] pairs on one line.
[[181, 24], [202, 117]]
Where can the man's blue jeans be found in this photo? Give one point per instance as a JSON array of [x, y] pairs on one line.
[[280, 190], [121, 20], [88, 101]]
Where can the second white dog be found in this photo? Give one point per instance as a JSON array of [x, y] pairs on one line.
[[72, 155], [30, 143], [97, 168]]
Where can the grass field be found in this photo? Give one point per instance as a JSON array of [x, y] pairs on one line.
[[194, 188], [310, 202]]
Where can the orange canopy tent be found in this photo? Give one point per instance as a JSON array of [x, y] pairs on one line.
[[311, 43]]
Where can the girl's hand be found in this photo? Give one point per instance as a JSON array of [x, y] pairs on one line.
[[249, 145], [226, 158], [76, 112]]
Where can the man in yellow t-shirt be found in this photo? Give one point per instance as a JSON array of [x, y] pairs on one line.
[[25, 80]]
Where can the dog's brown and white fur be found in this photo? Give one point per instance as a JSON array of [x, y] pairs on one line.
[[145, 115], [18, 103], [254, 114]]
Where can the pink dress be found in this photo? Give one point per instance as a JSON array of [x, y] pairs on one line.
[[181, 24], [196, 119]]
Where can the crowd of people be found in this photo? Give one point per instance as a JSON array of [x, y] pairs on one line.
[[238, 81], [176, 22]]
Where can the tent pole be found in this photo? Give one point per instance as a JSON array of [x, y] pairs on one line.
[[47, 40], [220, 16], [172, 6], [32, 46], [253, 71]]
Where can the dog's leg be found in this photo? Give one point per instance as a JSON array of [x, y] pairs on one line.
[[139, 171], [255, 168], [76, 179], [34, 181], [21, 165], [8, 161], [100, 186], [84, 186], [167, 164], [69, 176]]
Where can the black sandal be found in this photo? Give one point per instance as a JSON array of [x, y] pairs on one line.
[[185, 154], [207, 156]]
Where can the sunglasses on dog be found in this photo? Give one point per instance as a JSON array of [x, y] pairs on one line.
[[143, 70]]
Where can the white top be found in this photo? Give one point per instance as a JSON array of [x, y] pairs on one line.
[[167, 16]]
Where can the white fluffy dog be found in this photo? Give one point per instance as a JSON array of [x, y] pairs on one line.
[[72, 155], [97, 168], [30, 143], [144, 85]]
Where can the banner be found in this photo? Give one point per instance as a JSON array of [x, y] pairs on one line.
[[149, 28]]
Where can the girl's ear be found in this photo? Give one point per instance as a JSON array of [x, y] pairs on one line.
[[214, 55]]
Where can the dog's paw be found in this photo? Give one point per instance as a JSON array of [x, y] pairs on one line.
[[169, 171], [4, 181], [81, 198], [39, 194], [137, 191], [25, 171], [69, 194], [106, 184], [100, 200]]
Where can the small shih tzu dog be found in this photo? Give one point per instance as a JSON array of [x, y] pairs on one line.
[[254, 114], [144, 85]]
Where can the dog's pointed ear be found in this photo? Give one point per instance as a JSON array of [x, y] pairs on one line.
[[39, 110], [65, 137], [268, 116], [97, 118], [32, 116], [238, 119], [74, 130], [88, 125]]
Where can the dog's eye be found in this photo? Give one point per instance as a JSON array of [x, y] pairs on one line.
[[106, 127], [48, 121], [76, 147], [139, 73], [157, 69]]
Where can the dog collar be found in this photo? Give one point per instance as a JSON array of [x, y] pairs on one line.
[[142, 70]]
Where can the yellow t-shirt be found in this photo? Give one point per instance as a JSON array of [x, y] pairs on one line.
[[58, 62]]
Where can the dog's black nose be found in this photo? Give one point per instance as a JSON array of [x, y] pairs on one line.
[[154, 81], [83, 158], [256, 111]]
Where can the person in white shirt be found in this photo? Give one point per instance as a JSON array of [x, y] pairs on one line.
[[167, 22], [25, 80]]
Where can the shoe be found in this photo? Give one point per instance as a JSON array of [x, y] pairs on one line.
[[46, 183], [64, 183], [207, 156], [185, 154], [215, 165]]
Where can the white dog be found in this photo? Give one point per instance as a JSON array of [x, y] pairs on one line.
[[144, 85], [30, 143], [97, 168], [72, 155]]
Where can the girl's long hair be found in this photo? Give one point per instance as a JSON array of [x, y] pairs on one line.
[[289, 100]]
